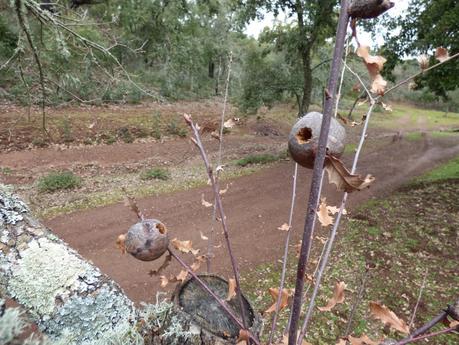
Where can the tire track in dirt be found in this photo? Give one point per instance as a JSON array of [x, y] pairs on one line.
[[255, 206]]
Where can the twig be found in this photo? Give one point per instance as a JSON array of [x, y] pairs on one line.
[[285, 257], [430, 335], [19, 6], [225, 306], [218, 201], [357, 300], [334, 230], [421, 289], [7, 62], [338, 95], [219, 162], [419, 73], [317, 171], [360, 81]]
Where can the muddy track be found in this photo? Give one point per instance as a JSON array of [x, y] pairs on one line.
[[255, 206]]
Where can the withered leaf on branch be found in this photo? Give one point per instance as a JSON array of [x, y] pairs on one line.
[[274, 292], [441, 54], [323, 214], [374, 66], [423, 61], [231, 288], [381, 312], [338, 297], [366, 9], [363, 340], [182, 275], [342, 178], [184, 246]]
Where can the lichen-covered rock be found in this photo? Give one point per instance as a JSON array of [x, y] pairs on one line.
[[64, 294], [304, 138]]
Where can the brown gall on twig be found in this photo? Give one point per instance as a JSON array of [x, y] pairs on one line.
[[367, 9]]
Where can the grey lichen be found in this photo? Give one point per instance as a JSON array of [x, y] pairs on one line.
[[104, 315], [44, 273], [11, 208]]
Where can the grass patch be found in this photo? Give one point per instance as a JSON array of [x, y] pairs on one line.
[[446, 171], [413, 136], [401, 237], [155, 174], [264, 158], [350, 148], [58, 181]]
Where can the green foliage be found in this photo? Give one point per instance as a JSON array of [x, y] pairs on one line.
[[155, 174], [58, 181], [426, 26], [264, 158]]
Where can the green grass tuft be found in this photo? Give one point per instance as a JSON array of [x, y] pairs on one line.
[[58, 181], [264, 158], [155, 174], [447, 171]]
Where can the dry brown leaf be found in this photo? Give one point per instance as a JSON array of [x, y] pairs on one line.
[[322, 239], [205, 238], [231, 288], [386, 107], [184, 246], [182, 275], [454, 323], [223, 191], [374, 66], [284, 227], [322, 213], [338, 297], [423, 61], [215, 135], [243, 337], [229, 123], [121, 243], [164, 281], [381, 312], [363, 340], [205, 203], [342, 178], [197, 264], [309, 277], [441, 54], [274, 292]]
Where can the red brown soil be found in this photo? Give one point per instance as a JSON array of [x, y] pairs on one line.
[[255, 206]]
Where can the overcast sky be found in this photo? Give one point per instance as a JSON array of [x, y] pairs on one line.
[[255, 27]]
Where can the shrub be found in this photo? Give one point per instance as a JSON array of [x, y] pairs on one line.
[[58, 181], [155, 174], [257, 159], [174, 129]]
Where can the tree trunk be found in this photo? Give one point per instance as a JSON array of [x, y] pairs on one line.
[[307, 83], [64, 294], [71, 301]]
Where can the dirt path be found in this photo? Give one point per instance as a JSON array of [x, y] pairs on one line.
[[255, 206]]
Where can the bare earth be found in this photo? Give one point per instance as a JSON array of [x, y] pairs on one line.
[[255, 206]]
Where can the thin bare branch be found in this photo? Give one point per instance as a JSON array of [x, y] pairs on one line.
[[285, 257], [210, 244], [430, 335], [215, 186], [421, 289], [318, 170]]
